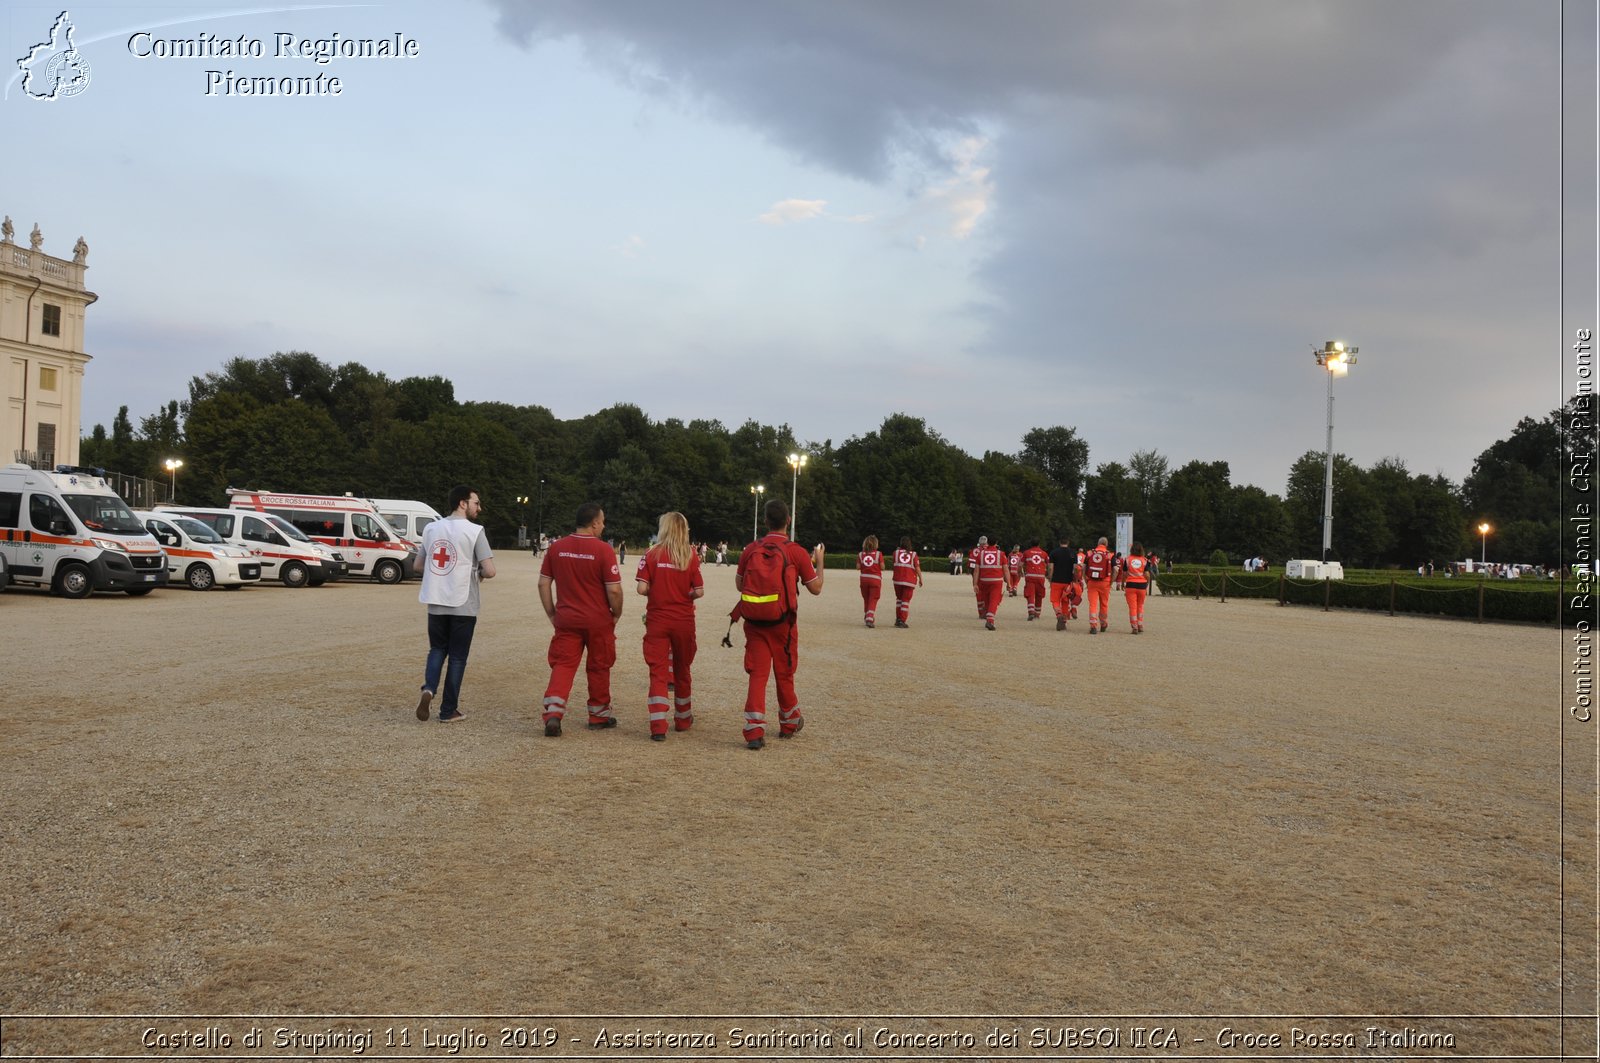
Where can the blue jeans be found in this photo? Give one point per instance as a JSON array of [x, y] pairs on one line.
[[448, 637]]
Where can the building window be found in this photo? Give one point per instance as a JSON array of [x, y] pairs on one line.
[[51, 325], [47, 378], [47, 445]]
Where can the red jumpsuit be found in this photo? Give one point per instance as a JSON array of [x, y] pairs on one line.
[[669, 643], [582, 567], [989, 573], [773, 649], [1034, 564], [870, 564], [1013, 572], [907, 576], [1098, 569]]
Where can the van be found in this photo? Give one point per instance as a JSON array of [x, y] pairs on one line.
[[406, 516], [369, 545], [198, 555], [286, 555], [69, 531]]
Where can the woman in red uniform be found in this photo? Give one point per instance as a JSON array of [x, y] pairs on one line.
[[907, 578], [1136, 584], [669, 577], [869, 562]]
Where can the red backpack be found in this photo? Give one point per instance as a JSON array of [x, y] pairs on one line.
[[1097, 566], [769, 578]]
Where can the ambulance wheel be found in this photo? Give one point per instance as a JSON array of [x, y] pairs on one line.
[[294, 574], [200, 577], [138, 592], [73, 581], [388, 572]]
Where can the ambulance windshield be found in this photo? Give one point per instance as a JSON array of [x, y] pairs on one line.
[[286, 528], [105, 513]]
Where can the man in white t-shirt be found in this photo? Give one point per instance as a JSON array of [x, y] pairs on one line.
[[456, 557]]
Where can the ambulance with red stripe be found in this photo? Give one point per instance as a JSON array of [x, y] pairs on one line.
[[68, 530], [286, 555], [352, 525], [199, 556]]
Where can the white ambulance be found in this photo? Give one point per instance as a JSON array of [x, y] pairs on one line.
[[351, 525], [198, 555], [286, 555], [406, 516], [69, 531]]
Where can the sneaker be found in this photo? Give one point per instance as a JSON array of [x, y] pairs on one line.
[[604, 725], [869, 623], [1093, 630], [755, 743], [801, 722], [901, 623], [1061, 623], [423, 702], [989, 624], [552, 727], [658, 737], [452, 717], [1103, 627]]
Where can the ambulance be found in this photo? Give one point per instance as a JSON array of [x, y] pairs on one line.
[[406, 516], [68, 530], [198, 555], [286, 555], [352, 525]]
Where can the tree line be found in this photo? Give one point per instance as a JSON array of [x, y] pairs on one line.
[[291, 422]]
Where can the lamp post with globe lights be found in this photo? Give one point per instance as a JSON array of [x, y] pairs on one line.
[[756, 490], [173, 465]]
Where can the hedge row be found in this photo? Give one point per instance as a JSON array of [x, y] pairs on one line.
[[1528, 604]]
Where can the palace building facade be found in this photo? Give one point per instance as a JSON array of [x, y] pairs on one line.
[[42, 308]]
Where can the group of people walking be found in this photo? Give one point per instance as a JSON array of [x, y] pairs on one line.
[[1070, 576], [581, 591]]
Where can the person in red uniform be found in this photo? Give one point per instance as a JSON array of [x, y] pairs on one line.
[[774, 648], [1035, 569], [869, 563], [669, 578], [580, 587], [1014, 570], [907, 578], [988, 580], [1064, 573], [1099, 566], [1135, 577]]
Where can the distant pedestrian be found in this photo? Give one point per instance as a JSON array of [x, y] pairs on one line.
[[580, 587], [1035, 566], [869, 565], [669, 578], [956, 560], [1099, 566], [1135, 579], [988, 580], [457, 557], [1014, 570], [769, 570], [1065, 593], [907, 578]]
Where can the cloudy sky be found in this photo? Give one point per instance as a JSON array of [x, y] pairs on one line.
[[1135, 218]]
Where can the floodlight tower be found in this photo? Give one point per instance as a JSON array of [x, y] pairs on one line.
[[1337, 359]]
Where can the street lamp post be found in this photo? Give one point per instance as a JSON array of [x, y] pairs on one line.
[[523, 500], [173, 465], [796, 462], [1483, 558], [1337, 359], [541, 507], [755, 518]]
